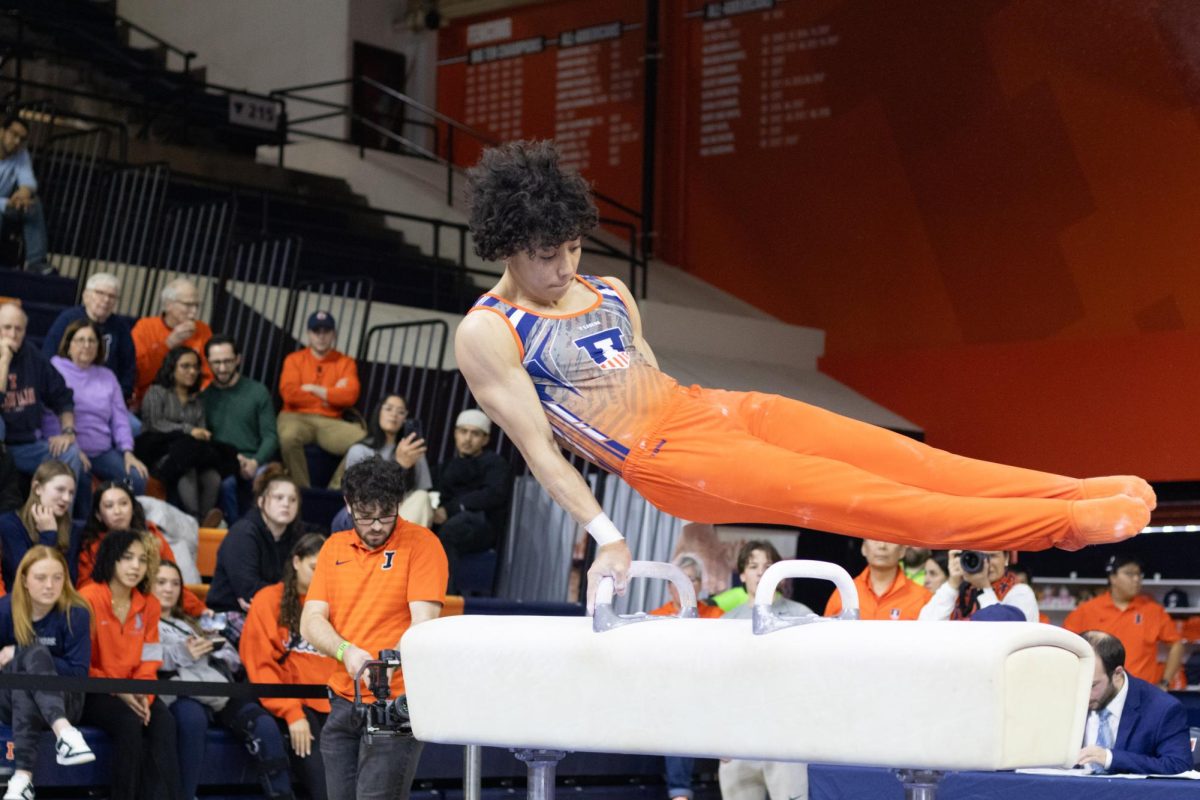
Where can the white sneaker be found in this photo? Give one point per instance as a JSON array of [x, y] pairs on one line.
[[71, 749], [19, 788]]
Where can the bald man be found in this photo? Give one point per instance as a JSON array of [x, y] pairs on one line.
[[29, 385]]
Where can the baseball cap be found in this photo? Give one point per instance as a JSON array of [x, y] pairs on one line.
[[474, 418], [1176, 598], [321, 320], [998, 612]]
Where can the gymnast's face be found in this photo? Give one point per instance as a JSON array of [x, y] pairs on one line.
[[549, 273], [756, 565]]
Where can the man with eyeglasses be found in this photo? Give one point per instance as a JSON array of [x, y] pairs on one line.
[[101, 294], [178, 324], [19, 202], [371, 584], [1134, 618], [240, 413]]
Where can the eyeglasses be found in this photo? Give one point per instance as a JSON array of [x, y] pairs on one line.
[[368, 522]]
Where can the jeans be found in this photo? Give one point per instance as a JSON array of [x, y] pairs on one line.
[[679, 776], [191, 736], [33, 229], [382, 770], [29, 712], [110, 466]]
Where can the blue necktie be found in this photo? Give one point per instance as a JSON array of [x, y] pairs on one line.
[[1104, 734]]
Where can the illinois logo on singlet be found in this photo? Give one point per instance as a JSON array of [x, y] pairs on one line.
[[607, 349]]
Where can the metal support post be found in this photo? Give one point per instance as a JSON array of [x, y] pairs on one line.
[[472, 772], [542, 765], [920, 784]]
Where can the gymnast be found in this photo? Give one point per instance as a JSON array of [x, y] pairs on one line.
[[557, 359]]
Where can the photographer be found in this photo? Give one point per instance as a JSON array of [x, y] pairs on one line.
[[978, 579], [370, 585]]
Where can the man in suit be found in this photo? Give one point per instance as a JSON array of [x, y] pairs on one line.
[[1132, 726]]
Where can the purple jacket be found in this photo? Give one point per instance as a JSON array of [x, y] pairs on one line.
[[101, 418]]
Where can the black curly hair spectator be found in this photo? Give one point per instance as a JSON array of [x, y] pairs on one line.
[[374, 484], [521, 199], [114, 546], [166, 373]]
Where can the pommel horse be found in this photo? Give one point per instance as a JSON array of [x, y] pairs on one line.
[[778, 688]]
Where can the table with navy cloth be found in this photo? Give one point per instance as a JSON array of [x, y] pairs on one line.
[[827, 782]]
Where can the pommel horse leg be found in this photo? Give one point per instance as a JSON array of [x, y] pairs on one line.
[[920, 784], [542, 765]]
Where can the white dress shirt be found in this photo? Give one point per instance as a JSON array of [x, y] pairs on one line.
[[1019, 596]]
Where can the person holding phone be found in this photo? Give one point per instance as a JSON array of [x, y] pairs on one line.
[[190, 653], [395, 436]]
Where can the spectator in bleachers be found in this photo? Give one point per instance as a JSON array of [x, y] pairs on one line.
[[1136, 619], [10, 479], [753, 559], [44, 630], [190, 654], [965, 593], [937, 569], [473, 490], [177, 325], [100, 296], [884, 590], [389, 438], [29, 385], [125, 644], [318, 384], [116, 509], [44, 519], [19, 202], [101, 417], [176, 443], [273, 651], [256, 549], [241, 414]]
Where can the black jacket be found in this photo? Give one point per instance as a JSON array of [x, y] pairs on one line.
[[249, 559], [475, 484]]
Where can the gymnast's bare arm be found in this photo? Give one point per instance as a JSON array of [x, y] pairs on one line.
[[489, 359]]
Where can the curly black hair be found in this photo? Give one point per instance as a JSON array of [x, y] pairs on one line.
[[374, 483], [112, 548], [521, 199], [166, 373]]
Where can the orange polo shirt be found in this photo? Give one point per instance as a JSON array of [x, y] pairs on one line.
[[150, 343], [265, 643], [703, 610], [904, 599], [1140, 627], [368, 591], [128, 649], [303, 367]]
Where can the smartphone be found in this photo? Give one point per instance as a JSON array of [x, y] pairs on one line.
[[413, 425]]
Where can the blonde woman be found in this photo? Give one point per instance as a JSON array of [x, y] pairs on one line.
[[44, 519], [45, 629]]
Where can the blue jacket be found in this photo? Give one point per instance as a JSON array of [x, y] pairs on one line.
[[118, 344], [14, 544], [33, 384], [70, 645], [1153, 737]]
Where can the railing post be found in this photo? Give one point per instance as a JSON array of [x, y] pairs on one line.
[[282, 126], [450, 166]]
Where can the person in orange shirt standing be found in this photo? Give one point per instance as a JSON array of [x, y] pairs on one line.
[[371, 585], [317, 384], [1135, 619], [125, 644], [884, 592], [273, 651], [179, 324]]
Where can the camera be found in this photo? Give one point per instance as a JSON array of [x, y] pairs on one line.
[[972, 561], [386, 716]]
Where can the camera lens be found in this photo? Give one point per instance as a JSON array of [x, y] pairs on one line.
[[972, 561]]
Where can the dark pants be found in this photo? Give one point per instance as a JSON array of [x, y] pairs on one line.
[[170, 455], [679, 776], [145, 765], [382, 770], [462, 534], [29, 713], [310, 770]]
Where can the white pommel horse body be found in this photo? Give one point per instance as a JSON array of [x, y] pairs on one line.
[[807, 689]]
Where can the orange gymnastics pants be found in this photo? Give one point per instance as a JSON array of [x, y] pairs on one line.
[[727, 457]]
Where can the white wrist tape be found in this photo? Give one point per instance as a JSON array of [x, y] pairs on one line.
[[603, 531]]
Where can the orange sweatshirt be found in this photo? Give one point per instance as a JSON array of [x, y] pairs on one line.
[[336, 372], [192, 604], [128, 649], [150, 343], [265, 642]]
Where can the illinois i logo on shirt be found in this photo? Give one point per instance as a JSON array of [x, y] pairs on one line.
[[894, 613], [606, 348], [388, 557]]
